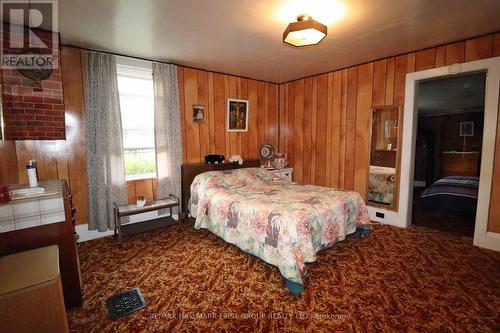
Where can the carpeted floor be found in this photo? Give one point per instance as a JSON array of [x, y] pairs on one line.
[[395, 280]]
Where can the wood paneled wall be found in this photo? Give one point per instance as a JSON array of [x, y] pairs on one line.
[[142, 187], [213, 90], [325, 119]]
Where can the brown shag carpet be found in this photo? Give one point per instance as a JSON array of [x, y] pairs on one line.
[[395, 280]]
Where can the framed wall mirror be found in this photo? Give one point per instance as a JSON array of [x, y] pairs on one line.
[[383, 169]]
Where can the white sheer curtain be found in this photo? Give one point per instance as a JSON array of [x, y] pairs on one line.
[[167, 130], [105, 166]]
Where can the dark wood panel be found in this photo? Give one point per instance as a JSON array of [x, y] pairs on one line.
[[321, 131], [364, 98], [343, 127], [456, 164], [440, 58], [478, 48], [73, 72], [455, 53], [350, 148], [335, 149], [425, 59], [9, 173], [379, 79], [307, 129], [496, 45]]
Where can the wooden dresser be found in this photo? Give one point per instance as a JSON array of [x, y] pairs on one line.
[[42, 222], [460, 164]]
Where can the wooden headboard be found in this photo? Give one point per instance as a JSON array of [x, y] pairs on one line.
[[189, 171]]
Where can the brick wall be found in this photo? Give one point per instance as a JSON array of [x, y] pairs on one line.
[[30, 112]]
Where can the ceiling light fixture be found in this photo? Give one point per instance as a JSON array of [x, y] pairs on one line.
[[304, 32]]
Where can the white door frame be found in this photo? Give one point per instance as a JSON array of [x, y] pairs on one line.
[[491, 66]]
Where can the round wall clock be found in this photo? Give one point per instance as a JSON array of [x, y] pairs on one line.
[[267, 153]]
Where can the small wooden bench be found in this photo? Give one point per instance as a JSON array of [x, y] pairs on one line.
[[137, 227]]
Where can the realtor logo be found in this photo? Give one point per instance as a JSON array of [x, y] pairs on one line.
[[29, 34]]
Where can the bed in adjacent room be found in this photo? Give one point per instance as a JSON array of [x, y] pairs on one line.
[[455, 194], [282, 223]]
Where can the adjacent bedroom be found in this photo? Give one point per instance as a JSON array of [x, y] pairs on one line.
[[249, 166], [448, 152]]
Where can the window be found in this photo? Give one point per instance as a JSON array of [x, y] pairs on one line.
[[135, 87]]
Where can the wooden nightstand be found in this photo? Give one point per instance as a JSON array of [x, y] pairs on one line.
[[285, 173]]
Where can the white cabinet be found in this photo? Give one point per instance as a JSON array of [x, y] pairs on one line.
[[286, 173]]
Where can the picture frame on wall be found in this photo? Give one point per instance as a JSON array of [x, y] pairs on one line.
[[198, 113], [466, 128], [237, 115]]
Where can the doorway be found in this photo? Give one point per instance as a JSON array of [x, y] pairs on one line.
[[482, 237], [450, 120]]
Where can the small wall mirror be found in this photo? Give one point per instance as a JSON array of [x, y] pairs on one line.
[[383, 170]]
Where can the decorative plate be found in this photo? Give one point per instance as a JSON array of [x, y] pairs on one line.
[[267, 152]]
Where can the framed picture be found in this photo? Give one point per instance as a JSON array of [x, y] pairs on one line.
[[198, 113], [237, 115], [466, 128]]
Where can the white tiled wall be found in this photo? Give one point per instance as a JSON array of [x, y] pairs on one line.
[[30, 213]]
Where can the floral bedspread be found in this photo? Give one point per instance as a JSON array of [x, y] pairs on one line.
[[381, 184], [282, 223]]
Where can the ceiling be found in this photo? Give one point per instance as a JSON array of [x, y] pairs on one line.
[[244, 37], [457, 94]]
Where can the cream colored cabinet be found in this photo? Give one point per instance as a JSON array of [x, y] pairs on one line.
[[285, 174]]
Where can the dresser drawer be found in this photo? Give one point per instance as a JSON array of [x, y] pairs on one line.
[[285, 174]]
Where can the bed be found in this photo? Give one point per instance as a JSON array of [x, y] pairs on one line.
[[282, 223], [454, 194]]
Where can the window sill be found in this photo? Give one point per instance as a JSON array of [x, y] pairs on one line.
[[140, 177]]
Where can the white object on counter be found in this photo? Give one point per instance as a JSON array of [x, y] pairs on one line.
[[31, 169]]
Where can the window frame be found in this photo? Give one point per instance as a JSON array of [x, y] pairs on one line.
[[146, 67]]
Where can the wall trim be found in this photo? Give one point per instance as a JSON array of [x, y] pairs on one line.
[[84, 234]]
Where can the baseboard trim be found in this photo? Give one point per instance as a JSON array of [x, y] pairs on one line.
[[84, 234]]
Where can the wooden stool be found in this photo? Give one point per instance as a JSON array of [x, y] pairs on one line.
[[31, 296]]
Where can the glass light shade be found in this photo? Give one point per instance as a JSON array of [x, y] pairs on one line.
[[304, 32], [304, 37]]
